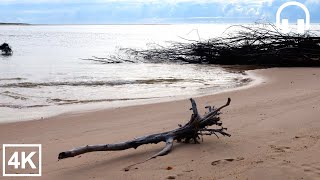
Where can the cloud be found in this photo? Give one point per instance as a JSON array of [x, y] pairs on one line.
[[131, 1], [146, 11], [312, 2]]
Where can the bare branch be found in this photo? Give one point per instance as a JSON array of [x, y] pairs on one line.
[[261, 44], [191, 131]]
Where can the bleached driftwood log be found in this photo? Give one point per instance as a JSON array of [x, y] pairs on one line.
[[196, 127]]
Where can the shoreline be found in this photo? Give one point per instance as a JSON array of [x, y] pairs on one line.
[[55, 111], [274, 126]]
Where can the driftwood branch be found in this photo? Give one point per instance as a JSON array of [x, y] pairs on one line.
[[196, 127]]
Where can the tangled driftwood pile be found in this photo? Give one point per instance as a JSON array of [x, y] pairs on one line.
[[255, 45]]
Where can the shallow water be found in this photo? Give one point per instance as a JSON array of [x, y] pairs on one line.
[[47, 74]]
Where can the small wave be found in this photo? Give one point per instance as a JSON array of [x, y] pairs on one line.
[[14, 106], [12, 79], [68, 101], [243, 81], [13, 95], [60, 102], [89, 83], [159, 81], [246, 80]]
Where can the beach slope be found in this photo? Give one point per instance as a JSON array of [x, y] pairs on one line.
[[275, 130]]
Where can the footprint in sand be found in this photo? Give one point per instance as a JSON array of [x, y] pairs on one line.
[[280, 149], [313, 168], [214, 163], [171, 177], [303, 142]]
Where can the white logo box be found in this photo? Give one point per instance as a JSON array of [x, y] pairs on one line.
[[4, 163]]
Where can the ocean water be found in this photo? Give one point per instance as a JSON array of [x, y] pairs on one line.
[[48, 74]]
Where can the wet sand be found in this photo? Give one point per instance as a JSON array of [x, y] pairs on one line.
[[275, 129]]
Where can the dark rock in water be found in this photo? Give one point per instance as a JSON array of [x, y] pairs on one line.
[[6, 49]]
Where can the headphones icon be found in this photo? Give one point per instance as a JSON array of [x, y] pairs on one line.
[[284, 24]]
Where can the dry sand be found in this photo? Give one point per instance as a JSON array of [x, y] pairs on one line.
[[275, 129]]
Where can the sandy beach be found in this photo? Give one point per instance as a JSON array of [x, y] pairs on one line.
[[275, 130]]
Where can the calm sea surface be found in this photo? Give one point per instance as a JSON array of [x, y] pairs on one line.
[[46, 75]]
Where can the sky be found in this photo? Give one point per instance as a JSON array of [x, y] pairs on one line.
[[150, 11]]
